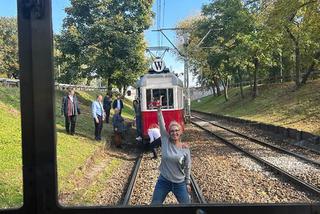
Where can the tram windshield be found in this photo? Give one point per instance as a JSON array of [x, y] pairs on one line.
[[164, 95]]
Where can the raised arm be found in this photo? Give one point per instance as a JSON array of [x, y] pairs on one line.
[[187, 169], [162, 125]]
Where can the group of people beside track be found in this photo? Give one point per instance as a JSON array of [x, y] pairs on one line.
[[100, 109], [175, 166]]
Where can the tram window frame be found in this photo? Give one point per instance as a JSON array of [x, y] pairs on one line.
[[169, 104], [40, 186]]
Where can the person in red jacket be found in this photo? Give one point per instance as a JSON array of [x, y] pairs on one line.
[[70, 109]]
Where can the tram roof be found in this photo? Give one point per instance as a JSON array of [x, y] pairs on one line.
[[147, 79]]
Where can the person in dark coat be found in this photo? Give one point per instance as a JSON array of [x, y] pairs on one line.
[[70, 109], [118, 104], [107, 101], [137, 111], [118, 127]]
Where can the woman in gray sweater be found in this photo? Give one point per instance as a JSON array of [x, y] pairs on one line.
[[175, 165]]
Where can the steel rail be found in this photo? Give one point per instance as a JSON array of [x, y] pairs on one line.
[[294, 144], [317, 163], [306, 148], [197, 191], [296, 180], [132, 181]]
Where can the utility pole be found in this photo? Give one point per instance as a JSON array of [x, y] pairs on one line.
[[186, 78]]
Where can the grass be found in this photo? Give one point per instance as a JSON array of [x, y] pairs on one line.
[[89, 197], [72, 151], [277, 104]]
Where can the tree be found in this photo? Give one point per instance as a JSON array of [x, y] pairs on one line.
[[102, 37], [298, 20], [9, 46]]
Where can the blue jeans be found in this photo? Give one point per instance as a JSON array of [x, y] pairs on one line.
[[164, 186]]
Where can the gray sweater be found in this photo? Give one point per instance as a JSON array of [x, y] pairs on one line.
[[175, 162]]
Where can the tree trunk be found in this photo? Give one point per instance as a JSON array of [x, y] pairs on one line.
[[310, 69], [241, 86], [255, 73], [281, 66], [213, 89], [216, 82], [109, 86], [124, 91], [88, 82], [297, 57], [225, 87], [298, 64]]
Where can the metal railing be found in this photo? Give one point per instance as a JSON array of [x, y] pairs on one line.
[[16, 83]]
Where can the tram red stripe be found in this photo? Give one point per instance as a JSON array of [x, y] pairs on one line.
[[150, 117]]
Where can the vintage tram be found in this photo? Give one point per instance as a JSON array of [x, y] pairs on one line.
[[165, 87]]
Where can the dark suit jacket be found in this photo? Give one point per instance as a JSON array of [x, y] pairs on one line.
[[114, 105], [64, 106], [107, 103]]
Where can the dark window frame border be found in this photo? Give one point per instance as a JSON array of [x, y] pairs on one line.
[[40, 194]]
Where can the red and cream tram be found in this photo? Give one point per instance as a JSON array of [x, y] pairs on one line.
[[167, 86]]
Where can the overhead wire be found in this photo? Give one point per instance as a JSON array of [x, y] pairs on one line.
[[163, 18]]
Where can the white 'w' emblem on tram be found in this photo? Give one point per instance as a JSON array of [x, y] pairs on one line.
[[158, 65]]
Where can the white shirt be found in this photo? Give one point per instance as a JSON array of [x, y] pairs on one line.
[[154, 134], [118, 104], [71, 98]]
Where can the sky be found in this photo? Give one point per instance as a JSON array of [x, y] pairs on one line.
[[174, 12]]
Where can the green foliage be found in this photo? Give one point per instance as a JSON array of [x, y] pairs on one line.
[[277, 104], [9, 46], [102, 39], [298, 23], [252, 40]]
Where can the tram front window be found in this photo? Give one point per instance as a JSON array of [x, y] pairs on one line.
[[164, 95]]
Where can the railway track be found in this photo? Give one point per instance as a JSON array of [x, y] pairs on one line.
[[278, 148], [197, 196], [296, 147], [256, 149]]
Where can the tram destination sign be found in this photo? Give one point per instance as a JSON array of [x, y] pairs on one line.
[[158, 65]]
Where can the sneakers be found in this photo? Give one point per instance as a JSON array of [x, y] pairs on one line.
[[138, 138]]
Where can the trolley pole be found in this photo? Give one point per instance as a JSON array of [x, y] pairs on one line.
[[187, 88]]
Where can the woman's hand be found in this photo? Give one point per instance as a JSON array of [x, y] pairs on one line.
[[97, 120], [157, 104], [189, 188]]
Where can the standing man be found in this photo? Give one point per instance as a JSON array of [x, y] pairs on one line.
[[118, 104], [70, 109], [107, 101], [97, 114]]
